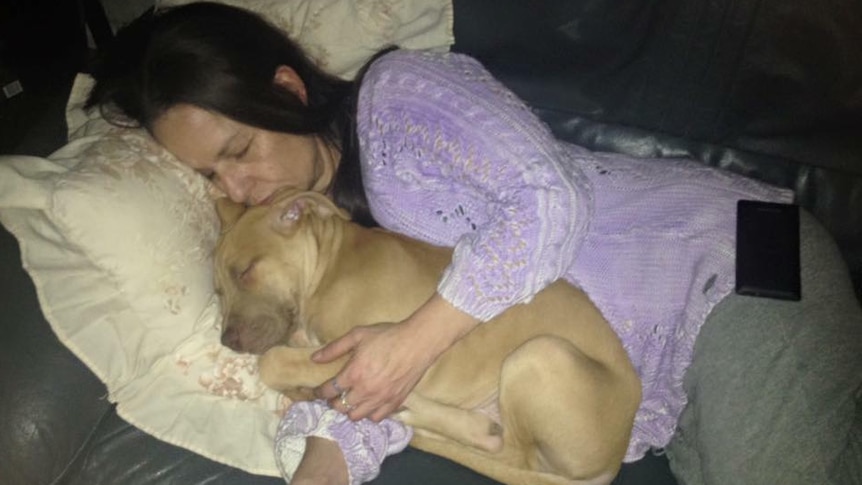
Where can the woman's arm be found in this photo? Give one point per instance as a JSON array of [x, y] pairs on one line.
[[452, 157]]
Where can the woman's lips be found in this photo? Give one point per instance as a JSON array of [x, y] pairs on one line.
[[266, 201]]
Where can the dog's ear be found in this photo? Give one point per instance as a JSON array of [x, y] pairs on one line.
[[323, 206], [288, 211], [228, 212]]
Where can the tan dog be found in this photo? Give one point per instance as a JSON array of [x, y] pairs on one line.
[[297, 274]]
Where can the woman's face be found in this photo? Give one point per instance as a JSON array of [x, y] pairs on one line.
[[249, 164]]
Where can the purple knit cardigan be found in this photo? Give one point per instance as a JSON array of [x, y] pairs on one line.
[[452, 157]]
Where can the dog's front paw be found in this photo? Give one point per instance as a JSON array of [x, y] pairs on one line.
[[282, 368], [271, 367]]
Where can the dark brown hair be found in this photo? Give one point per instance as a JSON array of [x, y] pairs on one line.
[[223, 59]]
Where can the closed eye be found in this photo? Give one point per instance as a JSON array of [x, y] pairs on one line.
[[244, 274], [208, 174], [242, 153]]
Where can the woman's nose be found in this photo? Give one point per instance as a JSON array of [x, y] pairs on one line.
[[235, 185]]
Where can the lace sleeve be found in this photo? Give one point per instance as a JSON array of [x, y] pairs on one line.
[[452, 157], [364, 444]]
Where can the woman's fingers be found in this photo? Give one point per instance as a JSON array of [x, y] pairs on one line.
[[360, 410], [338, 347], [386, 362], [330, 389]]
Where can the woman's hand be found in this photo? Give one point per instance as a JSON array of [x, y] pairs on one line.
[[389, 359]]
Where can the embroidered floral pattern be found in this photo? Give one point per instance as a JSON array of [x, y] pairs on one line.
[[141, 170], [225, 373]]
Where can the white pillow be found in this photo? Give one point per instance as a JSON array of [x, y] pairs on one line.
[[340, 35], [117, 237]]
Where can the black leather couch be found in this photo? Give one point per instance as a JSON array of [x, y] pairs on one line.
[[768, 89]]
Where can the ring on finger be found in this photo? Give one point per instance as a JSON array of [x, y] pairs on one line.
[[338, 389], [343, 400]]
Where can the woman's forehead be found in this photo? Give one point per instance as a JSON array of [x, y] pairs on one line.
[[194, 135]]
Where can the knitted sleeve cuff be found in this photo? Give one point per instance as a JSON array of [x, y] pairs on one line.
[[364, 443]]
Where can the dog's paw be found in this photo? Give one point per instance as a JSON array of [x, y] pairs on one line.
[[284, 367], [270, 369], [493, 441]]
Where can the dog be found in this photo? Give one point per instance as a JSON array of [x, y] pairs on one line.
[[296, 274]]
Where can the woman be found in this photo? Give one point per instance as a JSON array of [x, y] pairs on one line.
[[432, 146]]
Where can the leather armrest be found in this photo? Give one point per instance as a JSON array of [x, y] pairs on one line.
[[50, 403]]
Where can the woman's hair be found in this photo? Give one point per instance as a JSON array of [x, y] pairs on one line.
[[223, 59]]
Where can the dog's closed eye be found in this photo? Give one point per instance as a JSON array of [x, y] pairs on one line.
[[244, 274]]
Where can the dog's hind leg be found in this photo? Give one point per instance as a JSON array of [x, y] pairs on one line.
[[568, 414], [471, 428]]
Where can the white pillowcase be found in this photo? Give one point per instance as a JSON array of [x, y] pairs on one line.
[[340, 35], [117, 237]]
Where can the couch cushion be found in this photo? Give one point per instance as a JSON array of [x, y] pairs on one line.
[[769, 90], [50, 403]]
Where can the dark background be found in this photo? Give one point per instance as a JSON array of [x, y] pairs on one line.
[[43, 44]]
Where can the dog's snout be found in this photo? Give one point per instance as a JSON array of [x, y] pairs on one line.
[[254, 334], [230, 338]]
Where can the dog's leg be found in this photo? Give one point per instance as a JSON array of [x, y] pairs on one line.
[[565, 412], [494, 466], [470, 428], [284, 368]]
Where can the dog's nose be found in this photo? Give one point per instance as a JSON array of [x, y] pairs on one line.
[[230, 339]]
